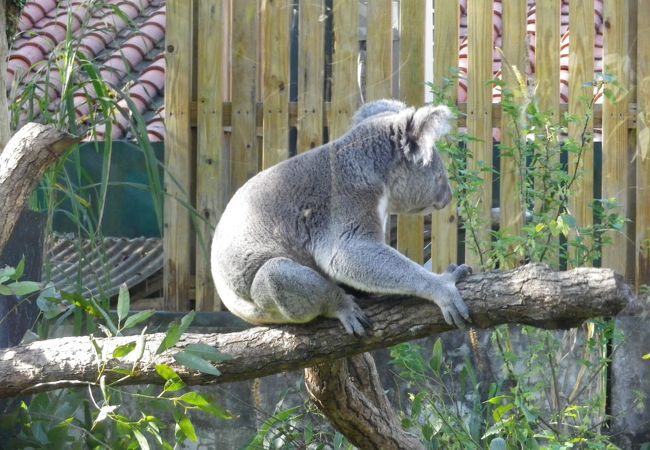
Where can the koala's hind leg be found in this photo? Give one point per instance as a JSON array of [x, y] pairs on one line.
[[292, 293]]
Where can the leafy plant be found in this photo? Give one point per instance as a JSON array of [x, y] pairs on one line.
[[525, 405], [99, 418], [300, 426]]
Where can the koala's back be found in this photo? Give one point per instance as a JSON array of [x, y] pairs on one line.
[[275, 213]]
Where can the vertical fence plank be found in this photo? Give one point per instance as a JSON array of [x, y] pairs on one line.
[[444, 223], [345, 92], [547, 55], [515, 56], [581, 64], [243, 143], [379, 50], [276, 16], [311, 58], [642, 240], [178, 149], [410, 229], [211, 178], [479, 112], [615, 160]]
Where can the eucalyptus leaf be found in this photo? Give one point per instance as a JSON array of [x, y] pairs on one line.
[[123, 350], [194, 362], [137, 318], [123, 302]]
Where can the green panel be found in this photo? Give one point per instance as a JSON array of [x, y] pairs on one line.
[[129, 210]]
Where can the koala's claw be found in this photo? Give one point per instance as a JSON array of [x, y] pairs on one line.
[[459, 272], [353, 319], [454, 310]]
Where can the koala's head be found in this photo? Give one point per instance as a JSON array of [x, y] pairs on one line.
[[418, 182]]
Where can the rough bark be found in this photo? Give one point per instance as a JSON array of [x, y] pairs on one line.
[[532, 294], [22, 164], [348, 391]]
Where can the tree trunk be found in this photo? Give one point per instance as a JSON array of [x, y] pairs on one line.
[[532, 294], [22, 164], [348, 391]]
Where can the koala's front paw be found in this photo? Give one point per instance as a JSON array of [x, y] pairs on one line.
[[453, 308], [459, 272], [354, 320]]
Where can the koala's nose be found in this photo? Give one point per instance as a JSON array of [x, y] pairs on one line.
[[444, 195]]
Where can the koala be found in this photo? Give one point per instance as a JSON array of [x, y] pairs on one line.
[[295, 235]]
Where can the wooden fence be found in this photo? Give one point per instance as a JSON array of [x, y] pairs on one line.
[[230, 111]]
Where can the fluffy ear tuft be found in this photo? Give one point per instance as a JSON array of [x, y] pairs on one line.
[[426, 125]]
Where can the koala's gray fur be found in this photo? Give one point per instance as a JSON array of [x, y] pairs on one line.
[[295, 231]]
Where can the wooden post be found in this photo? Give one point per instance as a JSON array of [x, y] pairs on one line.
[[444, 223], [642, 239], [311, 58], [547, 55], [581, 64], [479, 113], [177, 239], [615, 160], [276, 16], [243, 144], [212, 183], [345, 90], [410, 229], [515, 57], [379, 50]]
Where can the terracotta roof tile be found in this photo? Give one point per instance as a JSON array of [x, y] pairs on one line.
[[124, 38]]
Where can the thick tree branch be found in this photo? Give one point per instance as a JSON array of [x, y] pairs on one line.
[[532, 294], [348, 391], [22, 164]]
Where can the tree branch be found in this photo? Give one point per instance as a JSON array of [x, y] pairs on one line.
[[22, 163], [532, 294]]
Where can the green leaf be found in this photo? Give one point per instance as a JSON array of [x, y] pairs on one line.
[[123, 302], [4, 290], [207, 352], [194, 398], [81, 303], [21, 288], [174, 382], [142, 441], [498, 399], [137, 318], [436, 358], [20, 269], [171, 337], [186, 425], [175, 331], [498, 443], [123, 350], [195, 362], [186, 321], [166, 372]]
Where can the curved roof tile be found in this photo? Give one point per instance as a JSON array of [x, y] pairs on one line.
[[133, 55]]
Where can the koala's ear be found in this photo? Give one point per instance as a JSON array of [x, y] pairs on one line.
[[426, 125]]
